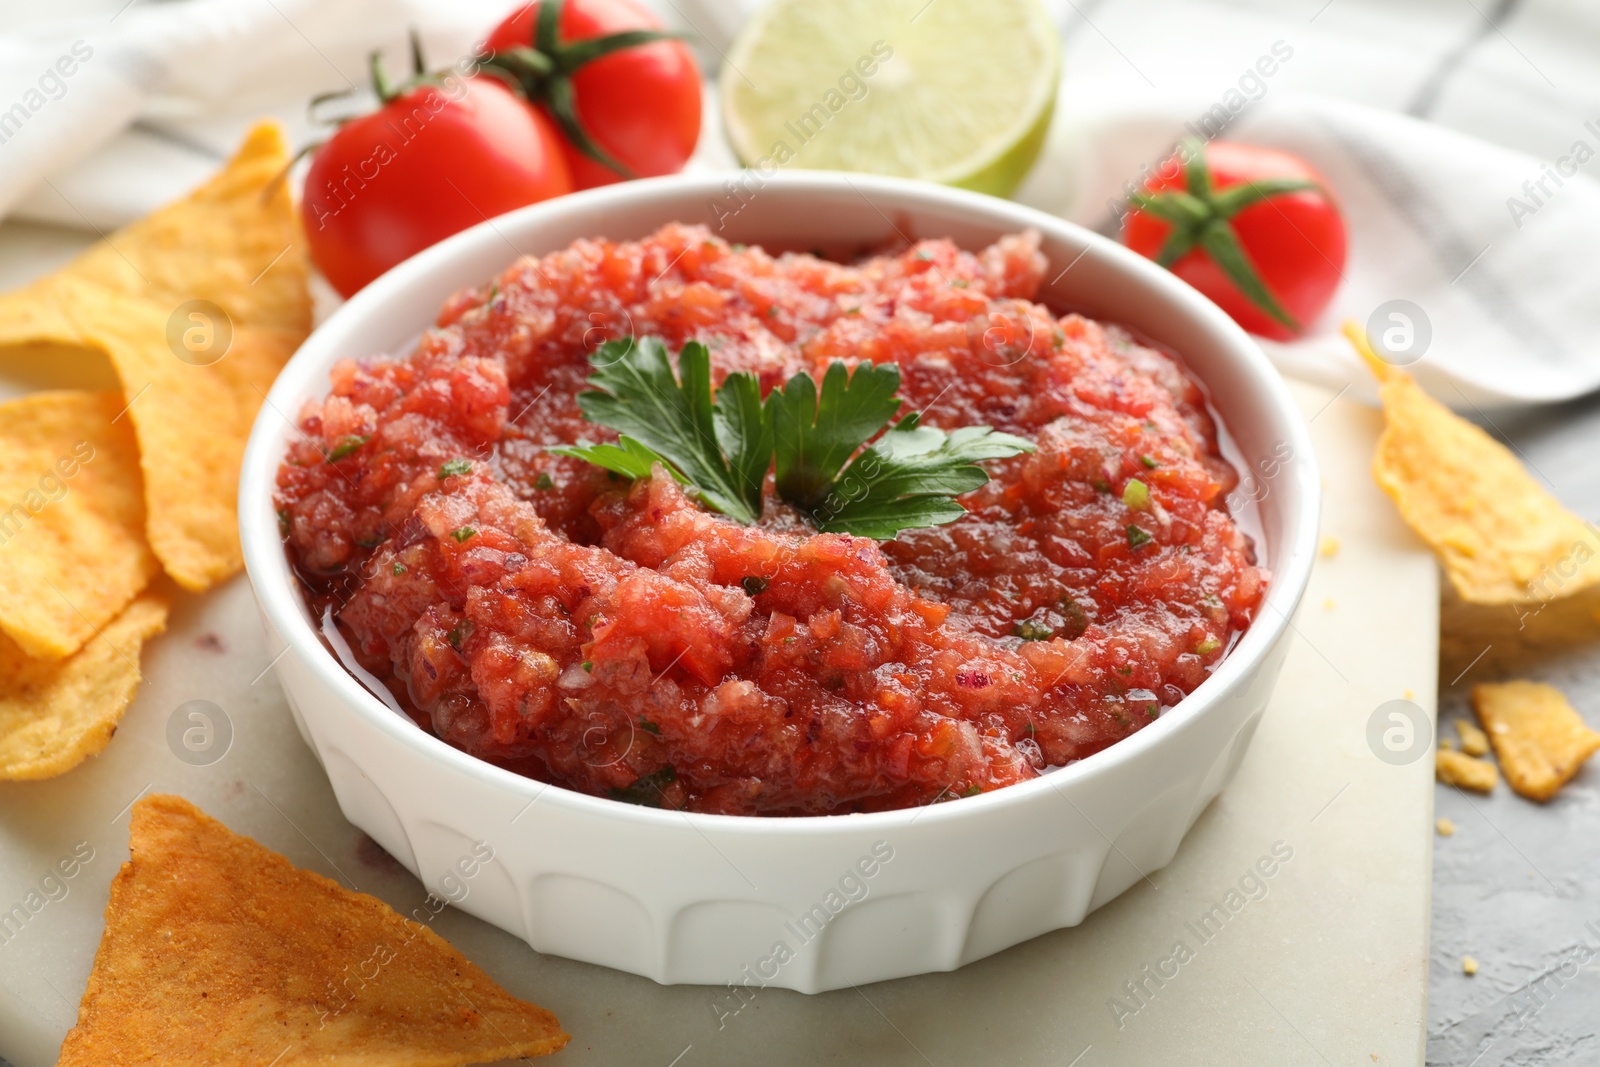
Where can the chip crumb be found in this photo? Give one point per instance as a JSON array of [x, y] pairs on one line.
[[1445, 827], [1540, 741], [1469, 966], [1329, 547], [1465, 772], [1474, 742], [1410, 694], [1329, 604], [1447, 743]]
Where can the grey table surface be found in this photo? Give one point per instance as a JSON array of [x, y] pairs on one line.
[[1518, 885]]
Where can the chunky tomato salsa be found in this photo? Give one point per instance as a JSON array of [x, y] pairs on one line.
[[615, 636]]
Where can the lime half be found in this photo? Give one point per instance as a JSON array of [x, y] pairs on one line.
[[953, 91]]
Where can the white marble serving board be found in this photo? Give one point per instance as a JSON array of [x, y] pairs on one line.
[[1328, 964]]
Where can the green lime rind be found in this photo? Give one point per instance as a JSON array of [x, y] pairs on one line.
[[954, 91]]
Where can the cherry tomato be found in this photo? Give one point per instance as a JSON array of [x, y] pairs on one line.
[[1254, 229], [431, 161], [638, 104]]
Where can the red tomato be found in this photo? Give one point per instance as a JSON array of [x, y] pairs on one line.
[[1293, 239], [640, 105], [429, 163]]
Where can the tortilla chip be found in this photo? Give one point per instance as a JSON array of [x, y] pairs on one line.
[[72, 548], [1501, 537], [1479, 641], [54, 715], [213, 943], [1474, 742], [1540, 740], [234, 243], [1458, 769]]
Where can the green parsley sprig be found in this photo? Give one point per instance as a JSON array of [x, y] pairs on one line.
[[720, 447], [721, 443]]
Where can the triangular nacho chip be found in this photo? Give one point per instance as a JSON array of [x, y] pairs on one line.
[[72, 547], [197, 306], [1540, 740], [1503, 539], [55, 714], [217, 950]]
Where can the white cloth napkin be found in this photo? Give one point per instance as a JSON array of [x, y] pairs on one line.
[[1462, 218], [167, 89]]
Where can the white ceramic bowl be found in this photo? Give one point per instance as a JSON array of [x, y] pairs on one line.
[[803, 903]]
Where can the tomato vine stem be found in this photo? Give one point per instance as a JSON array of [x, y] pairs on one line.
[[1200, 218], [542, 71]]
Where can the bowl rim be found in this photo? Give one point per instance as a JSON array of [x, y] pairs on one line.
[[278, 595]]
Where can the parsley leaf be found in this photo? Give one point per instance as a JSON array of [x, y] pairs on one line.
[[1033, 630], [347, 445], [814, 436], [719, 448], [903, 481], [721, 445], [908, 477], [626, 457], [647, 790]]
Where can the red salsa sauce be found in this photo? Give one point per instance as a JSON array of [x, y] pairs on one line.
[[616, 638]]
